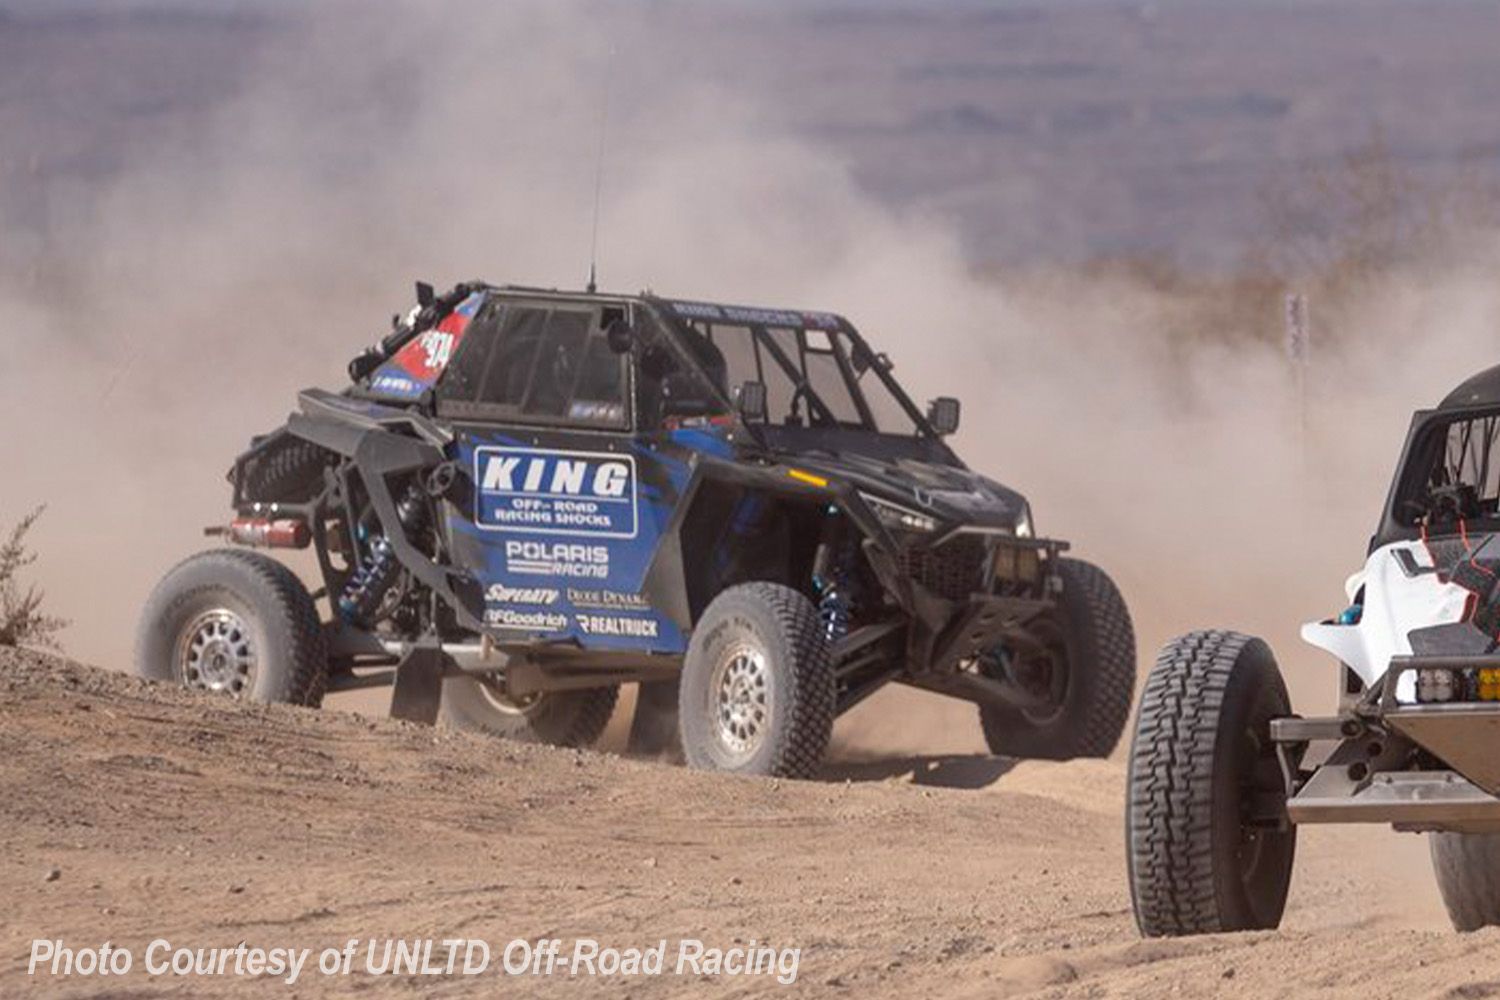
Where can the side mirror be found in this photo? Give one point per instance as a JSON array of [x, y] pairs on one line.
[[942, 414], [752, 400], [425, 294], [620, 336]]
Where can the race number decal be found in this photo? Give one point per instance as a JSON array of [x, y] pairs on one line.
[[542, 492]]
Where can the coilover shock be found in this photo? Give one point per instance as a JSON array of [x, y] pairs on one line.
[[368, 585], [833, 578]]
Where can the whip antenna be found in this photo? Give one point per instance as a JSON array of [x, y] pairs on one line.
[[599, 174]]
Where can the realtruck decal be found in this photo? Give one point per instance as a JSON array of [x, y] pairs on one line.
[[640, 628], [543, 492]]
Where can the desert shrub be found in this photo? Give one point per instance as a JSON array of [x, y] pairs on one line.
[[22, 622]]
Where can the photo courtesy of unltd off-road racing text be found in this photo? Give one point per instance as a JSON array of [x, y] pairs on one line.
[[460, 957]]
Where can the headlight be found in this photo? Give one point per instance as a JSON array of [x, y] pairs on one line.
[[1023, 528], [899, 518]]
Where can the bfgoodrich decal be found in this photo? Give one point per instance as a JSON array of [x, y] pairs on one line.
[[530, 621], [543, 492]]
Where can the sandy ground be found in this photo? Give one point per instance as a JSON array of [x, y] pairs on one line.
[[129, 812]]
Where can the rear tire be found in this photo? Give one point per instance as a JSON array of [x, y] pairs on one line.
[[236, 623], [1091, 640], [1201, 750], [757, 693], [1467, 866], [557, 718]]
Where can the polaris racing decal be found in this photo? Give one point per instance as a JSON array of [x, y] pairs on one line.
[[544, 492], [586, 562]]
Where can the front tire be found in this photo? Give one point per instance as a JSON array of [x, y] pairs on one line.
[[757, 693], [1082, 660], [557, 718], [1201, 759], [235, 623], [1467, 866]]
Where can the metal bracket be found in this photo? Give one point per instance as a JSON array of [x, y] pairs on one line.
[[418, 690]]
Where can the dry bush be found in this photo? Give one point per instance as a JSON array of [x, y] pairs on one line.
[[22, 622]]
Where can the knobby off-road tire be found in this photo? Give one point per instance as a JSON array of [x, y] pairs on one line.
[[558, 718], [291, 472], [237, 623], [1092, 641], [1467, 866], [757, 693], [1202, 745]]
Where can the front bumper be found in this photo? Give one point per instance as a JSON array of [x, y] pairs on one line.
[[1005, 582], [1408, 800], [1369, 776]]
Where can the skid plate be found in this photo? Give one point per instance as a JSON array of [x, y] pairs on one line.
[[1466, 737]]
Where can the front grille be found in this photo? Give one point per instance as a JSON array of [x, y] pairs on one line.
[[953, 570]]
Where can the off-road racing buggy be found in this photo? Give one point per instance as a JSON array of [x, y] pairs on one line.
[[1222, 772], [527, 498]]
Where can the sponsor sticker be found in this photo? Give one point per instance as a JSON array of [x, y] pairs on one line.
[[396, 385], [597, 411], [752, 316], [641, 628], [499, 593], [530, 621], [570, 559], [609, 600], [555, 492]]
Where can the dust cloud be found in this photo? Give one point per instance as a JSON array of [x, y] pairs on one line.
[[232, 264]]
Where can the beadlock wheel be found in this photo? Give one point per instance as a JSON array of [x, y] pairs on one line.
[[741, 681], [217, 653], [501, 702], [757, 694], [236, 624]]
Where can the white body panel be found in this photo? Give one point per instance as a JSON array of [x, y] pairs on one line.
[[1394, 604]]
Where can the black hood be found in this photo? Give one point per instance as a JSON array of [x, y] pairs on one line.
[[950, 493]]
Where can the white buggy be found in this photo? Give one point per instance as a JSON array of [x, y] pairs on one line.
[[1222, 772]]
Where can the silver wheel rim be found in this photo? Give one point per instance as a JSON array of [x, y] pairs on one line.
[[217, 654], [495, 696], [742, 698]]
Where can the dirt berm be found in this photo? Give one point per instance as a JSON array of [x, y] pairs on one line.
[[130, 812]]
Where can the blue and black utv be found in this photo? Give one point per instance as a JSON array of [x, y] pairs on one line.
[[527, 498]]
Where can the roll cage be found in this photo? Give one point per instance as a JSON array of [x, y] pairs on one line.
[[687, 319], [1451, 457]]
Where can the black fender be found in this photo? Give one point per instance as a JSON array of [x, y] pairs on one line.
[[675, 583], [381, 442]]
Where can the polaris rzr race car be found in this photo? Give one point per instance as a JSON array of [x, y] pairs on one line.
[[1221, 771], [527, 498]]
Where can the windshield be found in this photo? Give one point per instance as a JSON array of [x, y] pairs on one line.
[[1457, 474], [813, 378]]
